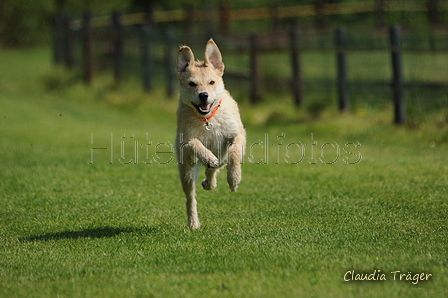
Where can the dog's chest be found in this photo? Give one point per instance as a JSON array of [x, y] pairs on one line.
[[215, 138], [218, 134]]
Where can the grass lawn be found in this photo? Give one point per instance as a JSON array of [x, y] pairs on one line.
[[321, 202]]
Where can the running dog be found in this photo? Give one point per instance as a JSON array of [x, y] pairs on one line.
[[209, 127]]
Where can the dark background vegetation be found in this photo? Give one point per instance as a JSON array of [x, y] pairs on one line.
[[24, 22]]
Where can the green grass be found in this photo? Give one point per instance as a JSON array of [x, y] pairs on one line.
[[73, 229]]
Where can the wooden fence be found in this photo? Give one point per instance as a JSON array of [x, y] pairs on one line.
[[291, 41], [321, 10]]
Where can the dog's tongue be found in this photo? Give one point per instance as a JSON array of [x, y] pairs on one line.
[[205, 107]]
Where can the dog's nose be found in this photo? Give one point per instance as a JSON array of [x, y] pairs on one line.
[[203, 96]]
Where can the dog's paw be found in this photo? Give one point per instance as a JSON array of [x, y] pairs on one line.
[[194, 225], [207, 185], [233, 182], [214, 163]]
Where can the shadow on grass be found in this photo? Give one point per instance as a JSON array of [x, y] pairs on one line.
[[101, 232]]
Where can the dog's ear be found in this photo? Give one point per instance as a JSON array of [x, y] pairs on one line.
[[185, 59], [213, 57]]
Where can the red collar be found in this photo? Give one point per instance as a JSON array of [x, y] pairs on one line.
[[204, 119]]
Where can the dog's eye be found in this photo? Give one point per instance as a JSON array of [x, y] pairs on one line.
[[212, 82], [192, 84]]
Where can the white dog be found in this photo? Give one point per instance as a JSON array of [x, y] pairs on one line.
[[209, 127]]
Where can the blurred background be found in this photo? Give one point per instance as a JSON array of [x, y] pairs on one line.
[[313, 54]]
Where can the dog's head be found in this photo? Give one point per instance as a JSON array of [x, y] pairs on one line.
[[201, 84]]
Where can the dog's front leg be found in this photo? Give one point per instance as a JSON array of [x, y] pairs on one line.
[[188, 154], [188, 175], [193, 149]]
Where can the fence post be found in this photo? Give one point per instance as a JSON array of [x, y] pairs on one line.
[[189, 21], [224, 18], [146, 57], [380, 7], [275, 15], [87, 46], [68, 41], [342, 79], [321, 17], [434, 12], [117, 44], [255, 95], [398, 76], [296, 61], [58, 42], [170, 62]]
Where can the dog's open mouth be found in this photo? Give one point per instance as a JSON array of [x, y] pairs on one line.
[[203, 108]]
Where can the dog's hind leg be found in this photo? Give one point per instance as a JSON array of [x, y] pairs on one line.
[[235, 159], [188, 176]]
